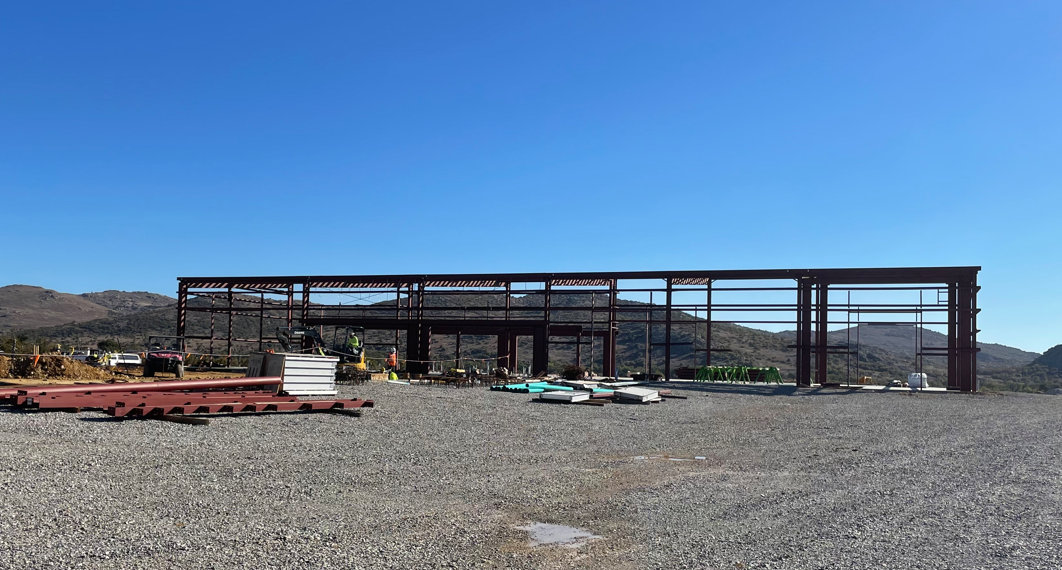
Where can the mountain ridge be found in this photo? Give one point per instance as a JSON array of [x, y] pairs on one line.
[[32, 307]]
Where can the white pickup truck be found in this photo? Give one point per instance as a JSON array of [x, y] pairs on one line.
[[120, 360], [84, 355]]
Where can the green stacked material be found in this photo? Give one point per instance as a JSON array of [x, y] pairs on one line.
[[748, 374]]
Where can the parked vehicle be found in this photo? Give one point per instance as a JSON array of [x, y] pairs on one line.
[[164, 354], [121, 360], [88, 355]]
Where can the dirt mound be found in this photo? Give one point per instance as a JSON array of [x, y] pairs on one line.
[[49, 367]]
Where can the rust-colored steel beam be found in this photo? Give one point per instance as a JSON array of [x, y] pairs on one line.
[[164, 386], [847, 276], [106, 399], [247, 406]]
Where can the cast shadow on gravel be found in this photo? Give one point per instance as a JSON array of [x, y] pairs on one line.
[[111, 419], [750, 389]]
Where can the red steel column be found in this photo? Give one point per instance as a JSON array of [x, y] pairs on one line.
[[613, 331], [291, 300], [667, 332], [424, 355], [182, 307], [953, 336], [803, 359], [261, 319], [967, 341], [228, 341], [457, 351], [821, 329], [608, 360], [305, 300], [413, 351], [708, 331], [503, 350], [540, 350], [514, 342], [579, 349]]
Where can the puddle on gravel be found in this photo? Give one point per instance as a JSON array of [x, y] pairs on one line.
[[669, 458], [543, 534]]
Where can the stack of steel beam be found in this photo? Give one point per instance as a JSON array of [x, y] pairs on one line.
[[165, 399]]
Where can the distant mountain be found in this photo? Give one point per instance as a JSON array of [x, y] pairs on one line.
[[1051, 359], [28, 307], [130, 330], [126, 302], [900, 340]]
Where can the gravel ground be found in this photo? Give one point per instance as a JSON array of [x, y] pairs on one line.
[[439, 477]]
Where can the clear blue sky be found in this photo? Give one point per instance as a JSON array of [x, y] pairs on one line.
[[141, 142]]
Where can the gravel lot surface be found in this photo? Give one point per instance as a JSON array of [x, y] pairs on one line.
[[439, 477]]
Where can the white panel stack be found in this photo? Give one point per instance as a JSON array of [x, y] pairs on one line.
[[565, 396], [636, 394], [579, 384], [303, 374]]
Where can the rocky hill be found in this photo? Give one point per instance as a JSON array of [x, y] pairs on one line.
[[25, 306], [1051, 359], [28, 307], [900, 339], [125, 302]]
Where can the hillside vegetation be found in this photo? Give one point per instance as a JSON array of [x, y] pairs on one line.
[[1051, 359], [27, 307]]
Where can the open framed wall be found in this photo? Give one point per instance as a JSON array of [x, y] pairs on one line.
[[582, 314]]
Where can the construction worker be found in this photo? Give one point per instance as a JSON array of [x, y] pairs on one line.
[[392, 360], [353, 344]]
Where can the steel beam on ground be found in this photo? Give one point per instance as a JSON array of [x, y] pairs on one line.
[[104, 399], [250, 406], [163, 386]]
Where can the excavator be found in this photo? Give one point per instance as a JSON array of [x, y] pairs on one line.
[[307, 340]]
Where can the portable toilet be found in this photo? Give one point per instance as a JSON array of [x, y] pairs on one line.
[[917, 380]]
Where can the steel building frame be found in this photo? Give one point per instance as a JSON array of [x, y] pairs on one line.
[[307, 301]]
